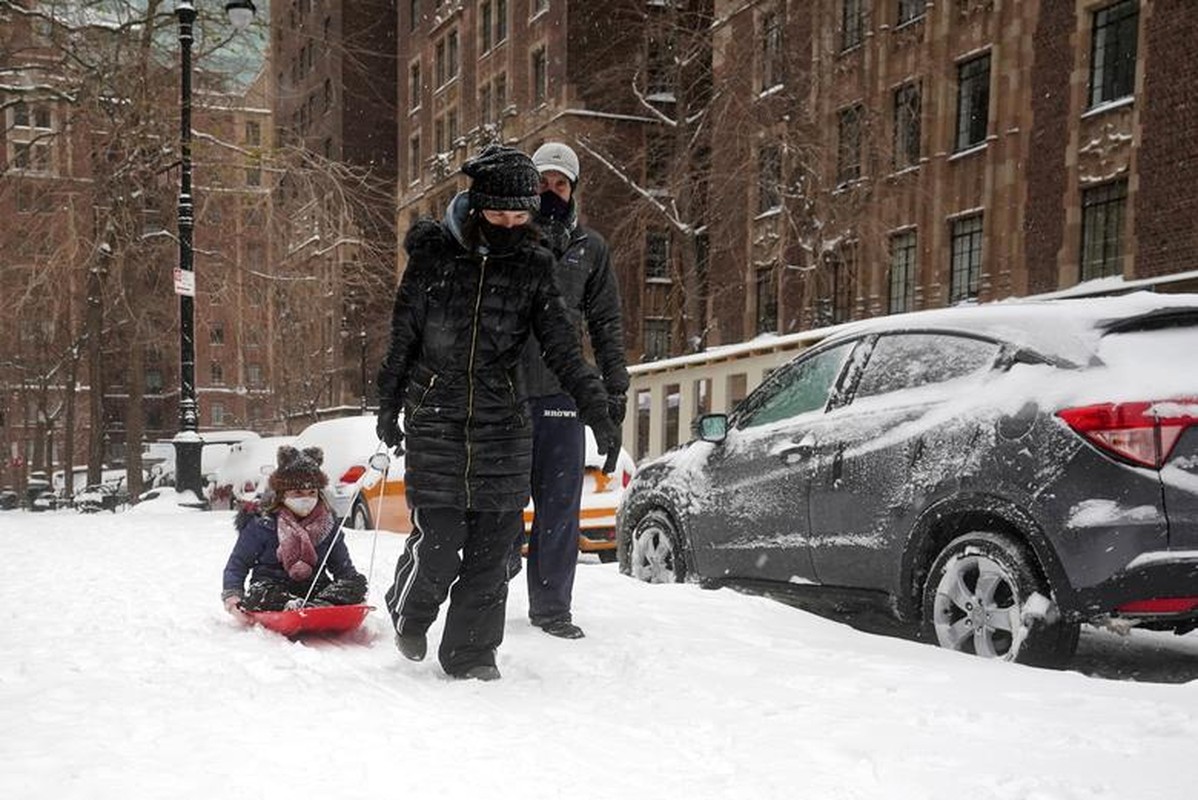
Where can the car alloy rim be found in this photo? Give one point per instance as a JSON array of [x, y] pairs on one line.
[[652, 554], [977, 608]]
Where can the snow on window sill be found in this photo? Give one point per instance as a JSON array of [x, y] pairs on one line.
[[907, 170], [539, 14], [660, 281], [977, 148], [1109, 105], [777, 87], [661, 97], [773, 212]]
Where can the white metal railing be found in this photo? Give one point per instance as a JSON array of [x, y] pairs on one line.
[[665, 397]]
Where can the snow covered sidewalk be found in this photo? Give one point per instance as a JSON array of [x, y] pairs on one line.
[[122, 677]]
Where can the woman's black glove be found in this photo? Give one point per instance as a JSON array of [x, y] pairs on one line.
[[388, 429], [617, 406]]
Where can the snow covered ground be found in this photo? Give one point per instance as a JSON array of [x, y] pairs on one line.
[[122, 677]]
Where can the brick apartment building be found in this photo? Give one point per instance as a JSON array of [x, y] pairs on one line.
[[89, 329], [334, 78], [910, 155]]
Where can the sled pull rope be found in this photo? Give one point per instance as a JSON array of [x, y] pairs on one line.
[[352, 501]]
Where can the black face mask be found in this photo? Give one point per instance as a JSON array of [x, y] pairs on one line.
[[553, 207], [500, 239]]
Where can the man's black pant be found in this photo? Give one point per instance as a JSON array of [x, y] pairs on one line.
[[558, 456], [430, 564]]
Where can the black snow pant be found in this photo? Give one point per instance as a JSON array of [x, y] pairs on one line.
[[430, 564], [558, 456], [274, 595]]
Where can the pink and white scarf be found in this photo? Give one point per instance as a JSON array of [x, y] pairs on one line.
[[299, 537]]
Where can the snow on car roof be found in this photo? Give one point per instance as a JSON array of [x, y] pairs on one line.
[[345, 441], [1070, 329]]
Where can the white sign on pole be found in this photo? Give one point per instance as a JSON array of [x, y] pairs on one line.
[[185, 282]]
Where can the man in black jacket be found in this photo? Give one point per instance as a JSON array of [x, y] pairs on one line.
[[474, 289], [588, 286]]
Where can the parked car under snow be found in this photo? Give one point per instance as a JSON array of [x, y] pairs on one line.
[[997, 474]]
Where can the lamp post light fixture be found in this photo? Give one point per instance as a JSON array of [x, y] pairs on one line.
[[188, 444]]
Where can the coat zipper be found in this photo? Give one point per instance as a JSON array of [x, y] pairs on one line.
[[478, 301], [424, 396]]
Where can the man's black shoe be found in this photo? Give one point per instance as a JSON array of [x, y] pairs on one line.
[[563, 629], [413, 646], [483, 672]]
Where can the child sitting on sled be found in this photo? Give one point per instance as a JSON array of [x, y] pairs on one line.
[[282, 548]]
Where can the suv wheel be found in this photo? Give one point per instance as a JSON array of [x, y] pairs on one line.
[[976, 600], [655, 552]]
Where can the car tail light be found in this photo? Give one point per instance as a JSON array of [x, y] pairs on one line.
[[627, 479], [1160, 605], [352, 474], [1141, 433]]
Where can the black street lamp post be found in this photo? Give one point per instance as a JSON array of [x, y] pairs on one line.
[[362, 364], [188, 444]]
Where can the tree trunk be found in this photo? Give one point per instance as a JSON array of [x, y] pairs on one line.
[[68, 434]]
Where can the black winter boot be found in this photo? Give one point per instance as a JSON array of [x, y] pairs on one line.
[[412, 646], [563, 629], [482, 672]]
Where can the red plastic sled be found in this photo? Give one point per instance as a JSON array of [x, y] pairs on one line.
[[314, 619]]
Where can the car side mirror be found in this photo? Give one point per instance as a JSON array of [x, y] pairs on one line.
[[712, 427]]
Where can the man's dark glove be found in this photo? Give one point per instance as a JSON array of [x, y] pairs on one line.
[[608, 439], [617, 406], [388, 429]]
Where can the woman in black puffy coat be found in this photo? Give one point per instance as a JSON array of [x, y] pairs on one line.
[[475, 286]]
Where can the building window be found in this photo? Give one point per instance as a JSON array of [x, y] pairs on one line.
[[253, 375], [659, 67], [540, 76], [414, 86], [769, 178], [20, 115], [657, 256], [767, 300], [253, 176], [216, 334], [848, 149], [973, 101], [909, 10], [902, 272], [1113, 52], [484, 27], [500, 94], [413, 14], [772, 73], [414, 158], [500, 21], [218, 374], [852, 24], [446, 58], [451, 127], [842, 271], [657, 338], [218, 414], [327, 98], [253, 133], [439, 135], [154, 380], [906, 126], [967, 258], [484, 104], [1102, 230]]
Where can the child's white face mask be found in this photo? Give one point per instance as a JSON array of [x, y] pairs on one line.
[[301, 506]]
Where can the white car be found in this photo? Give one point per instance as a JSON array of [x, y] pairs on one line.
[[243, 474]]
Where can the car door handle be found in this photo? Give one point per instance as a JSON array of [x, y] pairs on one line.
[[796, 453]]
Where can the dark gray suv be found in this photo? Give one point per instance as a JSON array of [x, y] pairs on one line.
[[998, 474]]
